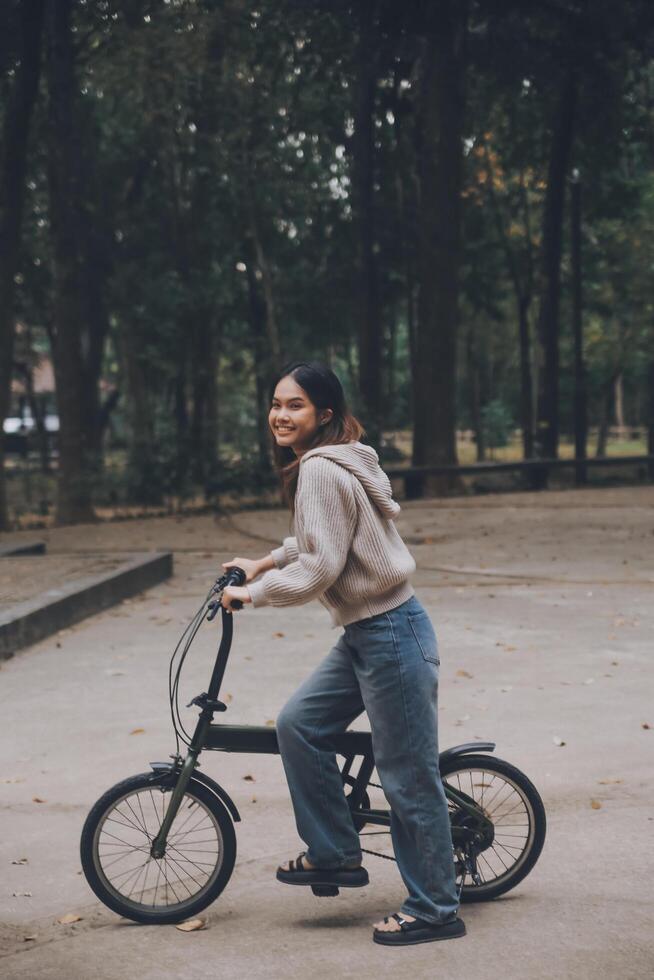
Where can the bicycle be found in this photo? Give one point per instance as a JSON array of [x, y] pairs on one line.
[[160, 846]]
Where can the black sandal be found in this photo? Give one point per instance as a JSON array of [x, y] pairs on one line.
[[342, 877], [419, 931]]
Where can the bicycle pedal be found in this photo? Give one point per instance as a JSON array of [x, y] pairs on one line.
[[324, 891]]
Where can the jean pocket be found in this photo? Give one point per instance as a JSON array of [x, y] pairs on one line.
[[423, 631]]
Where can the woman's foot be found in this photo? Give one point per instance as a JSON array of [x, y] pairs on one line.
[[299, 871], [403, 930], [389, 924], [305, 864]]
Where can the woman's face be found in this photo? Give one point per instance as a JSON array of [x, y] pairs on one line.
[[293, 417]]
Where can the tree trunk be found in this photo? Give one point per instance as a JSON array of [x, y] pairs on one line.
[[143, 486], [474, 381], [650, 417], [548, 318], [526, 388], [580, 424], [13, 166], [204, 446], [74, 471], [370, 332], [442, 107], [606, 409], [261, 366], [264, 276], [619, 404], [523, 289]]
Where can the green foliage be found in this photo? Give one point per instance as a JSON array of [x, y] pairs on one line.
[[497, 424], [218, 197]]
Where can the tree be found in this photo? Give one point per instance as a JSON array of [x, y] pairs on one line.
[[28, 22], [442, 101]]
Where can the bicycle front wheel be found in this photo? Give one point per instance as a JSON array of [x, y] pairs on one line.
[[116, 841]]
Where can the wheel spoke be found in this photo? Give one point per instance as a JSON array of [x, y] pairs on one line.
[[509, 809], [188, 867]]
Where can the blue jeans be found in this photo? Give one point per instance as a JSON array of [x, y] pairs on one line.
[[386, 665]]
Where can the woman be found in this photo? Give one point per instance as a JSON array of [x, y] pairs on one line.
[[349, 555]]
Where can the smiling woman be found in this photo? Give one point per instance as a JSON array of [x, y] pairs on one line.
[[293, 418], [347, 553]]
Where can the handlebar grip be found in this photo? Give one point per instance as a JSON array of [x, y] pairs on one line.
[[236, 576]]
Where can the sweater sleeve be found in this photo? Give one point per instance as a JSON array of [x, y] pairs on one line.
[[326, 510], [286, 553]]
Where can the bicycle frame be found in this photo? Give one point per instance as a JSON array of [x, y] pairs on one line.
[[262, 739]]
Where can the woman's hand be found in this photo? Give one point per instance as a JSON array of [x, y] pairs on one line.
[[250, 566], [234, 592]]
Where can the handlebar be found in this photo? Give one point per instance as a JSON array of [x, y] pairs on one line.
[[234, 576]]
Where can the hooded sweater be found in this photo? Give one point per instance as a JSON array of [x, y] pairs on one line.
[[346, 551]]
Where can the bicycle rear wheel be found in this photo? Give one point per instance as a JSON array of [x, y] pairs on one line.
[[115, 850], [511, 801]]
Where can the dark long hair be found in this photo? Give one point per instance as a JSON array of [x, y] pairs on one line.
[[324, 391]]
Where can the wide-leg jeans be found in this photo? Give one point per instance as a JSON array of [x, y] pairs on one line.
[[388, 666]]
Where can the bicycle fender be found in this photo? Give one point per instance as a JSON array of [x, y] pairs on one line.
[[207, 782], [467, 748]]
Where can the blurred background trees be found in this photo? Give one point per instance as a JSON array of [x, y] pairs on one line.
[[194, 191]]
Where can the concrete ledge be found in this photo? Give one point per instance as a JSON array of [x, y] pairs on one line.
[[28, 548], [31, 621]]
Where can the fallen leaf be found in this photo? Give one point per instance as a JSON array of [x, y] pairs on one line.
[[191, 925], [506, 689], [137, 731], [596, 805], [69, 917], [115, 673], [609, 782], [19, 861], [589, 680], [463, 673], [254, 799], [38, 799], [249, 778], [645, 724], [510, 649], [615, 663], [28, 939], [279, 634], [270, 722], [229, 697], [22, 894], [558, 741]]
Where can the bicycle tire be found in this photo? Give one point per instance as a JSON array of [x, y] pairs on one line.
[[96, 873], [534, 809]]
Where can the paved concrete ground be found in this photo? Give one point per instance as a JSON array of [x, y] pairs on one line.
[[545, 599]]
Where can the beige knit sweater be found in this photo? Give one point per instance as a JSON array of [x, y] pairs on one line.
[[347, 552]]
